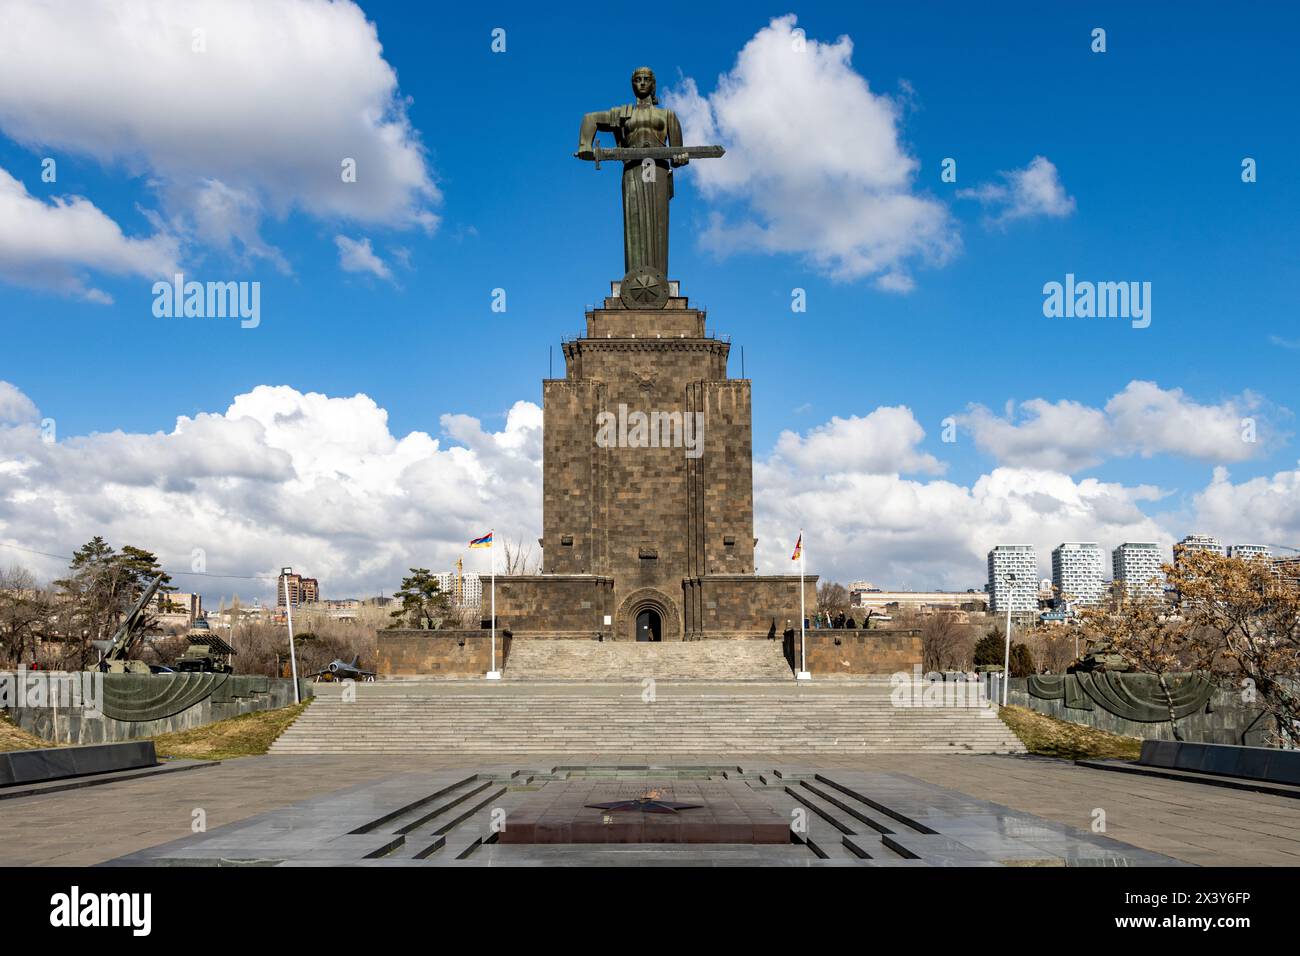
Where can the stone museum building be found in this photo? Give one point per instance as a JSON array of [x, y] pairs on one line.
[[648, 506], [648, 498]]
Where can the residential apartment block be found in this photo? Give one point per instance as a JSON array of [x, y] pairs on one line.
[[1137, 566], [1077, 574], [1013, 578]]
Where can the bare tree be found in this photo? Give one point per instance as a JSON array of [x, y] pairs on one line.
[[832, 598], [942, 642], [262, 647], [1150, 640], [1252, 620], [25, 612], [1053, 647], [518, 557]]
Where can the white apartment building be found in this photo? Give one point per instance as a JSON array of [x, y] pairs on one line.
[[1020, 561], [1077, 569], [1248, 551], [1136, 565], [1198, 542], [471, 587]]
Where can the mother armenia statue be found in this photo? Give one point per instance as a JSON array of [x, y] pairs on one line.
[[648, 141]]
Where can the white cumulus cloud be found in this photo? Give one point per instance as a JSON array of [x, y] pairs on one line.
[[1035, 190], [815, 165], [281, 477], [1143, 419], [883, 442], [15, 407], [54, 245], [356, 255], [234, 110], [1263, 510], [862, 520], [322, 483]]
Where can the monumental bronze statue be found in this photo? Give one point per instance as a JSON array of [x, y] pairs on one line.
[[648, 141]]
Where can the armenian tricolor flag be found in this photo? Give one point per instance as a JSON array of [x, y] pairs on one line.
[[483, 542], [798, 548]]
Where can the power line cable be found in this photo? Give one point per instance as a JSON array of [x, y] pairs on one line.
[[198, 574]]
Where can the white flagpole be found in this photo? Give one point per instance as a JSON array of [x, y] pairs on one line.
[[803, 637], [494, 674]]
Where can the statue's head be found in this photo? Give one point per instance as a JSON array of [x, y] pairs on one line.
[[643, 84]]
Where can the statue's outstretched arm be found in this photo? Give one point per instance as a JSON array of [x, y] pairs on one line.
[[675, 138], [592, 123]]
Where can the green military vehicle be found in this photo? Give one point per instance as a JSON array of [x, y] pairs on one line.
[[207, 653]]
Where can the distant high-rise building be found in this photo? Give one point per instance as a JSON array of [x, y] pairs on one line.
[[471, 588], [1077, 569], [1020, 561], [296, 589], [1288, 571], [1248, 551], [1197, 542], [1136, 566]]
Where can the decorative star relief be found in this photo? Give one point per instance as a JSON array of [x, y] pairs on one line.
[[644, 803]]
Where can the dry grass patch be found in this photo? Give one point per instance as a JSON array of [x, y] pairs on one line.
[[13, 737], [247, 735], [1049, 737]]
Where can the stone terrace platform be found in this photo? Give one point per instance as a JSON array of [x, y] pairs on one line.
[[464, 817], [1193, 823]]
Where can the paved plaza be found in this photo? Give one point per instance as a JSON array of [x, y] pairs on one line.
[[977, 809]]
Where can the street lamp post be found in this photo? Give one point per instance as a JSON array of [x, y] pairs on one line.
[[1006, 659], [288, 611]]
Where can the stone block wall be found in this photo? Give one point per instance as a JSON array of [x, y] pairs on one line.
[[451, 654], [745, 606], [853, 653], [720, 499], [553, 604]]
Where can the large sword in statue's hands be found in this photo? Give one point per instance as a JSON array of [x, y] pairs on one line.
[[677, 155]]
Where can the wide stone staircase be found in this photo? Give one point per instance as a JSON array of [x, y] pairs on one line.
[[739, 660], [523, 719]]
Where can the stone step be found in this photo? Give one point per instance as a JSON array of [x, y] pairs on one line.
[[519, 720], [532, 660]]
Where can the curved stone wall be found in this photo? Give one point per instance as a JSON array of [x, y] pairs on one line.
[[135, 706], [1131, 705]]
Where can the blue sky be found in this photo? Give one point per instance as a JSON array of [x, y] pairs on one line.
[[1147, 139]]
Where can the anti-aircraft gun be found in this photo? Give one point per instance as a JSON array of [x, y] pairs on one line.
[[115, 659]]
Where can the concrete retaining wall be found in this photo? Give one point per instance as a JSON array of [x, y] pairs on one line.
[[1227, 720], [57, 763], [78, 725]]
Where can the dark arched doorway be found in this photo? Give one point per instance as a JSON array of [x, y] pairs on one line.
[[649, 626]]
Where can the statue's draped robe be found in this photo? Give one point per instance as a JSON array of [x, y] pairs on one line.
[[646, 190]]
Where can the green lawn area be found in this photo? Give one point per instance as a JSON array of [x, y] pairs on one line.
[[1049, 737]]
